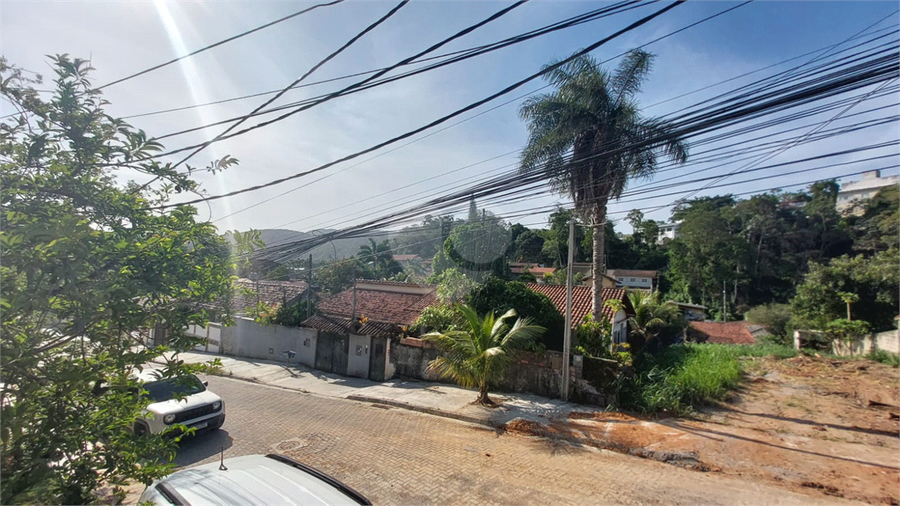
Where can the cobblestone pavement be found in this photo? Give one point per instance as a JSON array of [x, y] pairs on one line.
[[394, 456]]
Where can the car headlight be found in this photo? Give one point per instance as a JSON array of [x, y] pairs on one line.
[[217, 405], [169, 418]]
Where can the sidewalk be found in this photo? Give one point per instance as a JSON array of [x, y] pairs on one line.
[[433, 398]]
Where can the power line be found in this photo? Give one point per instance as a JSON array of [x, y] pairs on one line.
[[298, 80], [224, 41], [440, 120]]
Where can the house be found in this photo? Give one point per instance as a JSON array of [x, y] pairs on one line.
[[607, 281], [582, 299], [373, 308], [519, 268], [641, 280], [691, 312], [720, 332], [586, 269], [668, 231], [853, 192]]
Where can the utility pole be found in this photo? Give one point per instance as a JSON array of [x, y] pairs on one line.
[[724, 310], [567, 332], [309, 287]]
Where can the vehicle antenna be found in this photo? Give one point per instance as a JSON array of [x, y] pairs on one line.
[[222, 460]]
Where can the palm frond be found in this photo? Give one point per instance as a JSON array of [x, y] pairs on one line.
[[630, 74]]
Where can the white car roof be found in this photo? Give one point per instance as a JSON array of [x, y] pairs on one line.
[[254, 479]]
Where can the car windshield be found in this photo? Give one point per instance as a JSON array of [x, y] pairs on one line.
[[164, 390]]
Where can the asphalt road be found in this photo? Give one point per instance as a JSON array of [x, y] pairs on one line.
[[394, 456]]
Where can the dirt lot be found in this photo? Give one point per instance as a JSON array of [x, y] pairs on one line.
[[810, 424]]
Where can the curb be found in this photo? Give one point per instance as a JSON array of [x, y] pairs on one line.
[[422, 409]]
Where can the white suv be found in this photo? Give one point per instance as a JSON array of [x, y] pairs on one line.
[[182, 400]]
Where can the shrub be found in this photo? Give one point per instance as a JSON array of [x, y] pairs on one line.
[[774, 317], [594, 338], [441, 318]]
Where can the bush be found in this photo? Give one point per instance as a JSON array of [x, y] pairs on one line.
[[594, 338], [442, 318], [500, 296], [774, 317]]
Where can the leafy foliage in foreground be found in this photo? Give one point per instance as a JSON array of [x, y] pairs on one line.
[[87, 265]]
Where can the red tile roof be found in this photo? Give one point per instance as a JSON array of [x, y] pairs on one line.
[[379, 301], [581, 300], [339, 325], [720, 333], [273, 293], [404, 258]]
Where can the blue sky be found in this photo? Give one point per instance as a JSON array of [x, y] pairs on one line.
[[124, 37]]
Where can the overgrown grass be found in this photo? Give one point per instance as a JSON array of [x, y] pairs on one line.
[[885, 357], [684, 376]]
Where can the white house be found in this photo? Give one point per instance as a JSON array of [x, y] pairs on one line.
[[853, 192], [668, 231], [642, 280]]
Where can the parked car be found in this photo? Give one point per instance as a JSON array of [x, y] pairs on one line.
[[253, 479], [182, 400]]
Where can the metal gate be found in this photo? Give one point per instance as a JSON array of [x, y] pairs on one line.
[[331, 353], [358, 358]]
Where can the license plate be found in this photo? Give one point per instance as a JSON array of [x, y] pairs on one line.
[[201, 425]]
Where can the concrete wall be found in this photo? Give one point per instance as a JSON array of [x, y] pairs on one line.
[[533, 373], [886, 341], [252, 340]]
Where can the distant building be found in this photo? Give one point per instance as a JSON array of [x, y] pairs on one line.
[[853, 192], [642, 280], [668, 231], [721, 333], [691, 312]]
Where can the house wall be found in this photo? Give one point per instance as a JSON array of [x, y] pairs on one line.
[[252, 340]]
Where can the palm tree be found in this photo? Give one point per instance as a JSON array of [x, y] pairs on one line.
[[479, 355], [651, 318], [590, 139], [381, 257]]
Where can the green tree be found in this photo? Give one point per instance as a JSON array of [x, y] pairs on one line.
[[380, 257], [847, 331], [88, 266], [591, 138], [874, 280], [774, 317], [500, 296], [453, 286], [654, 323], [479, 355], [334, 277], [477, 249], [876, 229], [528, 247]]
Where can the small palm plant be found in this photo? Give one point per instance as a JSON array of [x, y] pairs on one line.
[[479, 354]]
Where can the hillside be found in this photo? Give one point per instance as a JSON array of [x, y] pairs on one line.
[[342, 247]]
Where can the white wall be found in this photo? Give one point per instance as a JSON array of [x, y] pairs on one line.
[[250, 339], [887, 341]]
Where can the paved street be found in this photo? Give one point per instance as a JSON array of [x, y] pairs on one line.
[[394, 456]]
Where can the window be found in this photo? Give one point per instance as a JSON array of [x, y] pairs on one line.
[[632, 280], [621, 279]]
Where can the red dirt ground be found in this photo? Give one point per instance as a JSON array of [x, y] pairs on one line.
[[810, 424]]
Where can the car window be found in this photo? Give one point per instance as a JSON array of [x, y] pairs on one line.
[[164, 390]]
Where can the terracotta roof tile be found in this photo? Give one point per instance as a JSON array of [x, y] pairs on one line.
[[720, 333], [383, 305], [339, 325], [581, 299]]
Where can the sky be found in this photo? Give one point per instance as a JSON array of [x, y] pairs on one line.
[[123, 37]]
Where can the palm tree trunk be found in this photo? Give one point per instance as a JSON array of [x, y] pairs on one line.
[[483, 394], [599, 265]]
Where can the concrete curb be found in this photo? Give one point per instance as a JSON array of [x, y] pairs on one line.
[[422, 409]]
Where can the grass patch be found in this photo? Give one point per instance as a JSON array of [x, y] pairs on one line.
[[885, 357], [684, 376]]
